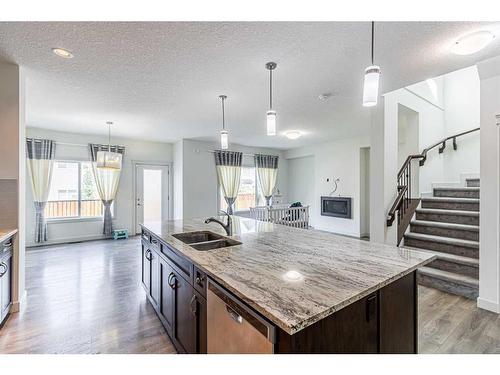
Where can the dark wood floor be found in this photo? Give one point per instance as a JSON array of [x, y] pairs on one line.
[[87, 298]]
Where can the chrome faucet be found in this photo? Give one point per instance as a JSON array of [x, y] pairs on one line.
[[227, 227]]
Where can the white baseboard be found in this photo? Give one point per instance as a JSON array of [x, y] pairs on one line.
[[60, 241], [488, 305], [16, 305]]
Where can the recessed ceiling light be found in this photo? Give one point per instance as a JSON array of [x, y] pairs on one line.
[[325, 96], [61, 52], [472, 43], [293, 134]]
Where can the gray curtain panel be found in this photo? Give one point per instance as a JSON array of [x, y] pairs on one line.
[[228, 166], [107, 181], [267, 172], [40, 155]]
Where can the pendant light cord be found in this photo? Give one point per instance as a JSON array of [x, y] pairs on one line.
[[373, 37], [109, 136], [270, 89], [223, 115]]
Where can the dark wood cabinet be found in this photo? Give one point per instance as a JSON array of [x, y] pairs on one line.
[[182, 310], [5, 278]]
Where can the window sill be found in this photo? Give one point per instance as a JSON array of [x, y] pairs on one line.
[[74, 220]]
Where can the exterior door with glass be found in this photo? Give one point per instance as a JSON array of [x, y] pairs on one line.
[[151, 193]]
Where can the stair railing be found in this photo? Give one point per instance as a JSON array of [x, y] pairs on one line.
[[403, 198]]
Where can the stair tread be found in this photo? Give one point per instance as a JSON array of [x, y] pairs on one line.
[[449, 276], [441, 224], [446, 212], [458, 188], [473, 262], [451, 199], [442, 239]]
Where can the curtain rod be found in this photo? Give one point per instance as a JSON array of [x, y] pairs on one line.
[[244, 154]]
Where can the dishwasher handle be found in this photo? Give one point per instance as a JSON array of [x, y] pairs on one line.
[[240, 312]]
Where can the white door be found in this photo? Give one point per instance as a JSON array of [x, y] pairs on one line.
[[151, 193]]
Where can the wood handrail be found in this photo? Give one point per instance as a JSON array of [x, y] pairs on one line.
[[404, 173], [396, 205]]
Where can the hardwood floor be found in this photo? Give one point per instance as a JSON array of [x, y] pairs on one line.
[[87, 298]]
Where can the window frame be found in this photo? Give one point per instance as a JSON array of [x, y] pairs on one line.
[[64, 219], [256, 193]]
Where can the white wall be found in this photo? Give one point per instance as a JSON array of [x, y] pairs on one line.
[[364, 181], [124, 205], [408, 144], [462, 113], [199, 179], [300, 180], [340, 159], [489, 251], [178, 180]]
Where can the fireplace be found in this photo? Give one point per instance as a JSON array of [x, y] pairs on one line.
[[336, 207]]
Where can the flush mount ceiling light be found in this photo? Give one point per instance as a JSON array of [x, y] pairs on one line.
[[61, 52], [293, 134], [224, 137], [372, 75], [472, 43], [107, 159], [271, 114]]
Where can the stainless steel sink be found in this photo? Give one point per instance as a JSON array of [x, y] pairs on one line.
[[199, 236], [205, 240], [216, 244]]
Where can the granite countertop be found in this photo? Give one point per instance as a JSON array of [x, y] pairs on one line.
[[6, 233], [329, 271]]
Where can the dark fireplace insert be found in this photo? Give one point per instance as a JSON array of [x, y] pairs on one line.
[[336, 207]]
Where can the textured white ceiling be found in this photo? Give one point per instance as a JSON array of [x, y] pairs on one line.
[[161, 81]]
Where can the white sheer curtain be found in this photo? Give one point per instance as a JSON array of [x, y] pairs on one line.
[[107, 181], [40, 155], [267, 172], [228, 166]]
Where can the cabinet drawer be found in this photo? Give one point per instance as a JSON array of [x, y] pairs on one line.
[[200, 281], [179, 262], [145, 236]]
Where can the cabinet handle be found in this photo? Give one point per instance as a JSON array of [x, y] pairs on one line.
[[234, 315], [371, 307], [148, 255], [194, 305], [154, 241], [5, 269], [172, 280], [199, 280]]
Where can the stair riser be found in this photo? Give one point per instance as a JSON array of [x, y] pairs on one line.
[[445, 232], [470, 252], [450, 287], [472, 183], [458, 268], [461, 206], [456, 193], [449, 218]]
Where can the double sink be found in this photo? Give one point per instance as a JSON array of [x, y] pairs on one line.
[[205, 240]]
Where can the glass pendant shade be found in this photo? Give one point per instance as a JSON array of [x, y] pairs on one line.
[[224, 140], [271, 122], [109, 160], [370, 89]]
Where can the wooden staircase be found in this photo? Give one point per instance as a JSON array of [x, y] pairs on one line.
[[447, 225]]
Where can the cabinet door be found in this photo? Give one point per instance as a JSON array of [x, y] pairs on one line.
[[199, 309], [5, 281], [167, 296], [154, 289], [146, 267], [184, 318]]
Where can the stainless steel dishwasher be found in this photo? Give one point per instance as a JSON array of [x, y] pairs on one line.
[[233, 328]]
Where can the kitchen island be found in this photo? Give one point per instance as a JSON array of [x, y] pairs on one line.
[[277, 289]]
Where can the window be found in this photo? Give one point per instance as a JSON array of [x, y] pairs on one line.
[[73, 192], [248, 195]]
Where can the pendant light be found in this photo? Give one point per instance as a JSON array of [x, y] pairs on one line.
[[108, 159], [224, 137], [271, 114], [372, 75]]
